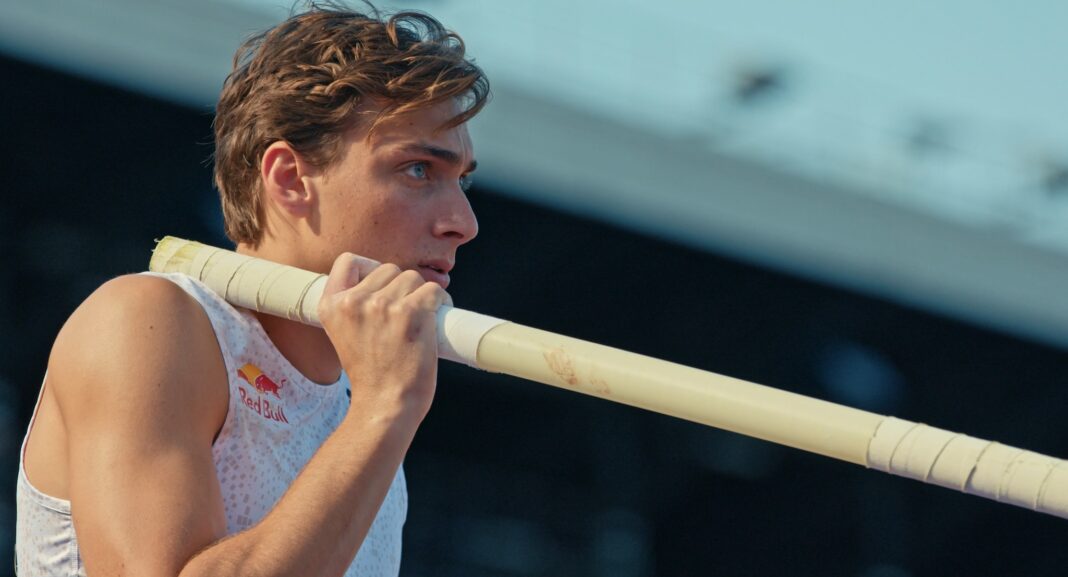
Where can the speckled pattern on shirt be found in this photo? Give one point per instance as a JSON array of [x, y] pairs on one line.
[[275, 422]]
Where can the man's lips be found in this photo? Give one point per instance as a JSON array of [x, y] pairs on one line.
[[440, 265], [436, 271]]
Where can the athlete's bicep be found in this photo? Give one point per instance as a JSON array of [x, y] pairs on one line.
[[140, 383]]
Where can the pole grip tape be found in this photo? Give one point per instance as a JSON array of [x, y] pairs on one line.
[[974, 466], [294, 294]]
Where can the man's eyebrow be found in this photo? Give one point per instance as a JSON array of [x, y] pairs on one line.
[[445, 154]]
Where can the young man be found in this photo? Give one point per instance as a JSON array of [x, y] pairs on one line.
[[177, 435]]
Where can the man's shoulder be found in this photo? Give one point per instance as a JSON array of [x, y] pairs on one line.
[[137, 332], [131, 304], [138, 290]]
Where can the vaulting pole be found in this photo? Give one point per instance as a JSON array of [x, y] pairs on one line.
[[913, 450]]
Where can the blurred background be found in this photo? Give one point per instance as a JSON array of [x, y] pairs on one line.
[[862, 202]]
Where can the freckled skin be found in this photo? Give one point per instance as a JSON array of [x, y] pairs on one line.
[[373, 201], [387, 197]]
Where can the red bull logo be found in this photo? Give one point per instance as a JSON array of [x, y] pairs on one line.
[[255, 377], [252, 375]]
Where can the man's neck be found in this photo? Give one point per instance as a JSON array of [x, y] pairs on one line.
[[307, 348]]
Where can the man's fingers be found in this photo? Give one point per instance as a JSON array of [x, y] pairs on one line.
[[363, 277], [379, 278], [431, 296], [347, 271], [404, 284]]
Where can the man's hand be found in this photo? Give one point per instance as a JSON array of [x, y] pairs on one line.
[[382, 322]]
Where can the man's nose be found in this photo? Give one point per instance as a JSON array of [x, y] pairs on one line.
[[458, 222]]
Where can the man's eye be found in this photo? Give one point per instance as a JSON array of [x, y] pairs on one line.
[[465, 182], [417, 170]]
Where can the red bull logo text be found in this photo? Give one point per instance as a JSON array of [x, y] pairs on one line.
[[252, 375], [263, 406]]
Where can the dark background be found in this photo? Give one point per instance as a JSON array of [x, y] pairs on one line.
[[513, 478]]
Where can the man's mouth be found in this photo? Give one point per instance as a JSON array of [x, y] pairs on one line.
[[436, 272], [440, 265]]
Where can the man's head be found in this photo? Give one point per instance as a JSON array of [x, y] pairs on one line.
[[308, 81]]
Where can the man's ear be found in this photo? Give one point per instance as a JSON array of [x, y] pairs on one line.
[[282, 171]]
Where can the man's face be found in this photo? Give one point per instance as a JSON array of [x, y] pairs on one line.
[[399, 197]]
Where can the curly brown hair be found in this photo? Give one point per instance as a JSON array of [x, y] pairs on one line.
[[303, 80]]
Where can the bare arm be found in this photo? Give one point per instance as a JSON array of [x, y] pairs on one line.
[[141, 386], [141, 411]]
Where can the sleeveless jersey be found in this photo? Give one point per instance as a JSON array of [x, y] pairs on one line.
[[275, 422]]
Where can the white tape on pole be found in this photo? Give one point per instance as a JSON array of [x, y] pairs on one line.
[[460, 332], [971, 465], [292, 293]]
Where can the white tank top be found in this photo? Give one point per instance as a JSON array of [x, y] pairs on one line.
[[276, 421]]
